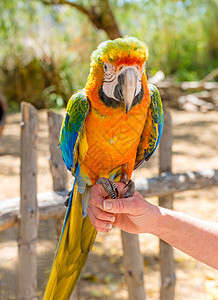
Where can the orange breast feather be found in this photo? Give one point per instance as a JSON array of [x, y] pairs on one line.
[[111, 139]]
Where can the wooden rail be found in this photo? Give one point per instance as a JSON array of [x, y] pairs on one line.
[[51, 204], [168, 183]]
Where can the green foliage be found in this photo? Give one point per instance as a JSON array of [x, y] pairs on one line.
[[182, 35], [47, 49], [46, 54]]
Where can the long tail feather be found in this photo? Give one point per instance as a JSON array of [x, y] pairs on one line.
[[76, 240]]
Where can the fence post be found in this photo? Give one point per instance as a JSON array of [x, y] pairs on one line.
[[134, 267], [28, 224], [168, 279], [57, 166]]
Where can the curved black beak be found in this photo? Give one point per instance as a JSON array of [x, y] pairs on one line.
[[126, 89]]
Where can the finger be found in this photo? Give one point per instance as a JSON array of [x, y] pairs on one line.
[[97, 195], [123, 205], [102, 215], [100, 225]]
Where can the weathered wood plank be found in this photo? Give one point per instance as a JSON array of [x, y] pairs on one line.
[[167, 269], [168, 183], [51, 205], [134, 266], [57, 166], [28, 222]]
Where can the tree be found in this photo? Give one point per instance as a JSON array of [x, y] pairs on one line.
[[98, 12]]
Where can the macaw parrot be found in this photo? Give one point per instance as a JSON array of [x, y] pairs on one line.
[[109, 129]]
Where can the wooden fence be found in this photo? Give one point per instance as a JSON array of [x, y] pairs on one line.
[[26, 210]]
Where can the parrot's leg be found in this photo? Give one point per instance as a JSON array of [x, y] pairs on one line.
[[129, 184], [109, 186], [131, 188]]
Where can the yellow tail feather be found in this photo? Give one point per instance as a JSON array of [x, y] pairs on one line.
[[78, 237]]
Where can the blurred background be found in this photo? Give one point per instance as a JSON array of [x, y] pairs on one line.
[[45, 47], [44, 58]]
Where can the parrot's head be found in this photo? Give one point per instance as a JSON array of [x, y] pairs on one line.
[[117, 74]]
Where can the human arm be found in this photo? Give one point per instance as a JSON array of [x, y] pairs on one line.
[[193, 236]]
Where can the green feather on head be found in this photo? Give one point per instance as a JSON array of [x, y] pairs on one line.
[[112, 50]]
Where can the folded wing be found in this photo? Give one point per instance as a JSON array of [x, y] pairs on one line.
[[152, 132], [77, 111]]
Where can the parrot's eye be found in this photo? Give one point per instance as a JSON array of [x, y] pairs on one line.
[[109, 71]]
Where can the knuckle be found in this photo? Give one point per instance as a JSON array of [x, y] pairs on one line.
[[92, 189], [94, 201], [97, 223], [102, 215], [99, 215], [121, 205]]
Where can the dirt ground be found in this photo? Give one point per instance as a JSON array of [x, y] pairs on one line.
[[195, 147]]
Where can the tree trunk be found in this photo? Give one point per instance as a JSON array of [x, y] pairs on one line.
[[105, 19], [99, 13], [28, 225]]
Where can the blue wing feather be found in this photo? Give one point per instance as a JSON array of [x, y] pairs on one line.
[[77, 111]]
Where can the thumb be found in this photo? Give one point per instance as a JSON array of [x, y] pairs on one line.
[[121, 205]]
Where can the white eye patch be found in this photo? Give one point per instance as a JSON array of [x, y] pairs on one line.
[[111, 76], [109, 72]]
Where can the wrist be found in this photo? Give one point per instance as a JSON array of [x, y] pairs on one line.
[[165, 221], [154, 220]]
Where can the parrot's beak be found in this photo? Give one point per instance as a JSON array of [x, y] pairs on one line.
[[128, 87]]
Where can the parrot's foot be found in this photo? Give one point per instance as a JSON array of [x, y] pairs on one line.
[[109, 186], [131, 188]]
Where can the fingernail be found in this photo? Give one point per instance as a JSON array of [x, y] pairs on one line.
[[111, 219], [107, 205], [108, 225]]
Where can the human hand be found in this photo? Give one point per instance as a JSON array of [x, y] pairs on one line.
[[133, 214]]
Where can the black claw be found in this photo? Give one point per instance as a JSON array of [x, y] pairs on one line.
[[131, 189], [115, 189], [128, 184], [113, 196], [109, 186]]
